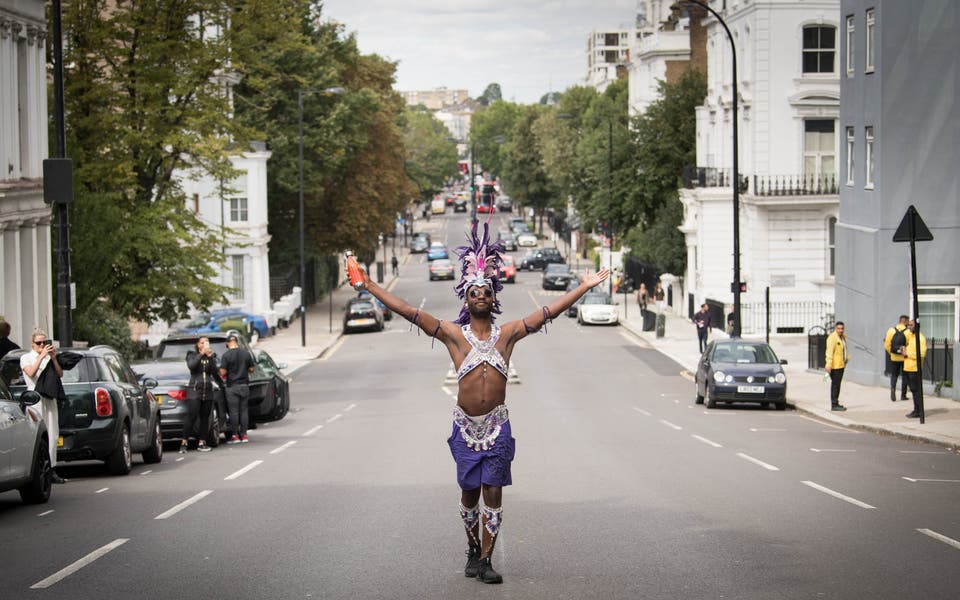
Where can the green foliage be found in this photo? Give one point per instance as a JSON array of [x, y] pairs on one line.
[[98, 323], [490, 95], [661, 243], [431, 154], [523, 172], [489, 130]]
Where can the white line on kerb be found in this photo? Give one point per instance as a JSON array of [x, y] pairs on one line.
[[349, 408], [757, 461], [706, 441], [830, 492], [641, 411], [940, 537], [669, 424], [334, 418], [242, 471], [283, 447], [101, 490], [73, 568], [333, 349], [312, 431], [183, 505]]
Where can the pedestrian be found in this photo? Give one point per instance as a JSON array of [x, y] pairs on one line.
[[6, 344], [702, 320], [204, 375], [481, 441], [642, 297], [910, 365], [36, 364], [659, 296], [395, 264], [894, 342], [837, 357], [235, 368], [731, 322]]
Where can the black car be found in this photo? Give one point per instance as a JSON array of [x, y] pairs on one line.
[[556, 276], [741, 371], [109, 413], [508, 239], [362, 315], [539, 258], [460, 205], [173, 376]]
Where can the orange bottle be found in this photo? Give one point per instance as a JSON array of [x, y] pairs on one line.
[[354, 272]]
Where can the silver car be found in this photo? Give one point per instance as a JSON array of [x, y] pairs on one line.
[[24, 451]]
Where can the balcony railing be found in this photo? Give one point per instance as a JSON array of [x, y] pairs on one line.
[[795, 185], [711, 177]]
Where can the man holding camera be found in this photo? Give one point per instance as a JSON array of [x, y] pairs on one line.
[[43, 355]]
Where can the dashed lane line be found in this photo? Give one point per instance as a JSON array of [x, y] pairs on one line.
[[837, 495], [147, 472], [921, 480], [757, 462], [243, 471], [312, 431], [101, 490], [193, 500], [940, 537], [45, 513], [76, 566], [349, 408], [764, 430], [706, 441], [334, 417], [671, 425], [642, 412], [832, 450], [280, 449]]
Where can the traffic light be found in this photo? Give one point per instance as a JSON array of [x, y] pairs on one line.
[[733, 287]]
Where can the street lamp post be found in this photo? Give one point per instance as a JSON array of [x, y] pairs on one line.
[[303, 266], [736, 286]]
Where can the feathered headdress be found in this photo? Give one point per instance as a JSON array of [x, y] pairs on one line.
[[480, 265]]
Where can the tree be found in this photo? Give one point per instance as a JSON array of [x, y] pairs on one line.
[[490, 95], [431, 154], [489, 129], [523, 171]]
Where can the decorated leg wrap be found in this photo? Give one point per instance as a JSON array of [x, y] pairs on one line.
[[491, 526], [471, 522]]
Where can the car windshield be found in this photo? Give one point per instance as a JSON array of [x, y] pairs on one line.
[[361, 306], [199, 321], [507, 261], [442, 263], [179, 348], [597, 299], [745, 354], [556, 269], [530, 254]]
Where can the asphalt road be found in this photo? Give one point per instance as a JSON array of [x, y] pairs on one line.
[[623, 488]]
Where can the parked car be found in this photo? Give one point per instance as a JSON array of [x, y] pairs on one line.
[[442, 268], [109, 413], [219, 320], [508, 270], [556, 276], [597, 308], [526, 239], [419, 245], [436, 251], [508, 239], [26, 454], [173, 377], [539, 259], [504, 204], [366, 295], [362, 315], [518, 225], [460, 204], [741, 371]]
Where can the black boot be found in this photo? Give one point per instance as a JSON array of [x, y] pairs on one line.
[[472, 567], [893, 394], [486, 573]]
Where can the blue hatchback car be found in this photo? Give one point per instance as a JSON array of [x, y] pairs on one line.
[[437, 250], [212, 321]]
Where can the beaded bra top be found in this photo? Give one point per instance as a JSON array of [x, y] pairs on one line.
[[482, 351]]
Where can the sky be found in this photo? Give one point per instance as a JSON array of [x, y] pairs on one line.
[[529, 47]]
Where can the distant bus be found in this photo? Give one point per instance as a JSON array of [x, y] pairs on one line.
[[438, 206], [488, 196]]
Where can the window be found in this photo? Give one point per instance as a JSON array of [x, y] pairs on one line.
[[850, 42], [869, 159], [237, 270], [851, 136], [938, 311], [832, 246], [819, 47], [871, 22], [238, 210], [819, 154]]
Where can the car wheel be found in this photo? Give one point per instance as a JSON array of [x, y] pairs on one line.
[[711, 403], [121, 460], [283, 405], [765, 405], [213, 433], [781, 405], [37, 490], [154, 453], [699, 395]]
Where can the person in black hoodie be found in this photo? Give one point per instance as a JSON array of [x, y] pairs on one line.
[[204, 375], [6, 344]]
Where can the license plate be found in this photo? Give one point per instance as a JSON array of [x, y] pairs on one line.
[[750, 389], [59, 441], [159, 398], [361, 322]]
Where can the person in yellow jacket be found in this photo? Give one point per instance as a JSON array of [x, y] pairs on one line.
[[910, 370], [896, 357], [837, 358]]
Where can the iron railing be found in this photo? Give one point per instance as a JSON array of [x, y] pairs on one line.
[[938, 363], [795, 185], [785, 317]]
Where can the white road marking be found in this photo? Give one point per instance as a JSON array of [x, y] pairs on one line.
[[535, 303], [73, 568], [349, 408], [721, 413], [183, 505], [762, 429], [830, 450], [446, 390], [312, 431], [631, 338], [641, 411], [757, 461], [669, 424], [830, 492], [334, 418], [706, 441], [243, 471], [283, 447], [333, 349], [920, 452], [45, 513], [912, 480], [940, 537], [179, 459], [101, 490], [147, 472]]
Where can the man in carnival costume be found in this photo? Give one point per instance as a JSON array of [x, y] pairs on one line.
[[481, 442]]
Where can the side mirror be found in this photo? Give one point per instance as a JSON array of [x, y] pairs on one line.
[[282, 365], [783, 361], [28, 398], [150, 383]]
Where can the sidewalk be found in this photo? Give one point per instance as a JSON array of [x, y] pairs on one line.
[[868, 408]]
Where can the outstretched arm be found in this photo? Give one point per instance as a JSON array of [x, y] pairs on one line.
[[534, 321], [424, 320]]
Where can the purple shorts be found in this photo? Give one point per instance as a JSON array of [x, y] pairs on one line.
[[488, 467]]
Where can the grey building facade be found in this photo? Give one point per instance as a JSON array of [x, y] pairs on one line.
[[899, 145]]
